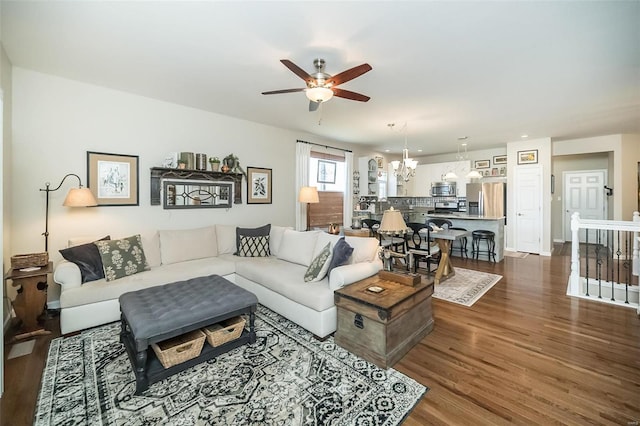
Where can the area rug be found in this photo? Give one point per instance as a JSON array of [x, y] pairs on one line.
[[466, 287], [286, 378]]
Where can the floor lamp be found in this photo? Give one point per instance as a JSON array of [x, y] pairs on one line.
[[309, 195], [76, 197]]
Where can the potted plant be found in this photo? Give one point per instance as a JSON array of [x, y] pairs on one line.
[[215, 164]]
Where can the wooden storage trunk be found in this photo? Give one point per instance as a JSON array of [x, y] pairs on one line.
[[179, 349], [383, 327], [225, 331]]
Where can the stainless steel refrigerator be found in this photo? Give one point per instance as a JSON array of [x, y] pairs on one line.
[[487, 199]]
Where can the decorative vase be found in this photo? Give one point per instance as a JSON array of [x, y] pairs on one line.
[[225, 168], [215, 167], [334, 228]]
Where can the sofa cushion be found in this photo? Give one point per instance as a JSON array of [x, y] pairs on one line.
[[364, 249], [188, 244], [122, 257], [226, 235], [251, 232], [319, 265], [297, 247], [88, 259], [101, 290], [341, 254], [275, 238], [151, 245], [323, 239], [286, 278], [254, 246]]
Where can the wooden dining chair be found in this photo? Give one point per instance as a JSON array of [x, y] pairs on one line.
[[421, 241]]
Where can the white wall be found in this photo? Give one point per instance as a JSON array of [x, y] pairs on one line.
[[56, 121]]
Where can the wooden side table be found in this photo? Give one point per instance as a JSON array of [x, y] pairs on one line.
[[31, 299], [382, 327]]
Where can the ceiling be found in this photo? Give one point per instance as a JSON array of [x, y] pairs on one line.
[[490, 71]]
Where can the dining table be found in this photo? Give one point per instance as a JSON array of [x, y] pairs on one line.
[[444, 238]]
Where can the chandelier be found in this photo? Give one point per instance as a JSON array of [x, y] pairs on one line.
[[462, 156], [405, 169]]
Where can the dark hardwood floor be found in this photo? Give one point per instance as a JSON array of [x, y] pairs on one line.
[[525, 353]]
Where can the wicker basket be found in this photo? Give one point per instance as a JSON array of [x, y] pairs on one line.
[[224, 331], [179, 349], [20, 261]]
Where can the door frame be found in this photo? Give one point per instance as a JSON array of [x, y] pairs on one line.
[[566, 222]]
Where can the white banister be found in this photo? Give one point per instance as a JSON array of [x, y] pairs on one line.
[[626, 254]]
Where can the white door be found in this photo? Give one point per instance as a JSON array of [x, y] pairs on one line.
[[583, 193], [528, 208]]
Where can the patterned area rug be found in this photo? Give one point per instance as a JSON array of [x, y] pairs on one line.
[[466, 287], [286, 378]]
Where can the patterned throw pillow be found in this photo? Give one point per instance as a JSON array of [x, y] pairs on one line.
[[254, 246], [251, 232], [319, 266], [121, 258]]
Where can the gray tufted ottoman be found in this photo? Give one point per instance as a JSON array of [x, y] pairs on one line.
[[158, 313]]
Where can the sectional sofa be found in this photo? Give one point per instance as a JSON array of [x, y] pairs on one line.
[[277, 279]]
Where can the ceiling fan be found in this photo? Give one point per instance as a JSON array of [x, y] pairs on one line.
[[322, 86]]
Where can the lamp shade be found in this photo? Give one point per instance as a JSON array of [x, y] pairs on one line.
[[392, 222], [450, 175], [80, 197], [319, 94], [308, 194], [474, 174]]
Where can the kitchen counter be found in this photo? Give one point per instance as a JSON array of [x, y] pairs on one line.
[[473, 223], [463, 216]]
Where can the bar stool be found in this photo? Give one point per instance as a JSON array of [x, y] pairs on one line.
[[463, 244], [487, 236]]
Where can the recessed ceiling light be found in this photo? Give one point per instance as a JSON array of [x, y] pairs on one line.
[[387, 150], [524, 136], [419, 150]]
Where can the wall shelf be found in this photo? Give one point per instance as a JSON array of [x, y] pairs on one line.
[[158, 174]]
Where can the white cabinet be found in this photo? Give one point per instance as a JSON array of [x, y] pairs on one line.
[[428, 173], [368, 175]]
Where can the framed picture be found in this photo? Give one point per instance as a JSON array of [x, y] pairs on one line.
[[326, 171], [113, 178], [528, 157], [482, 164], [380, 161], [499, 159], [258, 185]]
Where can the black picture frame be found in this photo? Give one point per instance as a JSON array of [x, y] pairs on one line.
[[326, 171], [113, 178]]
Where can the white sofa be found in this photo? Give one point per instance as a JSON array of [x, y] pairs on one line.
[[277, 280]]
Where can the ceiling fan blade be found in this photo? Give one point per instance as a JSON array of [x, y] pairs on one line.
[[276, 92], [297, 70], [347, 94], [350, 74], [313, 106]]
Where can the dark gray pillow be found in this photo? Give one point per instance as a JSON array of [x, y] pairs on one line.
[[88, 259], [262, 231], [341, 254]]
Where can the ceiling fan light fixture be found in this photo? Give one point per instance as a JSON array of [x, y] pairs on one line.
[[319, 94]]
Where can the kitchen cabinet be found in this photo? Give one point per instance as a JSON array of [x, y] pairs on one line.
[[368, 167]]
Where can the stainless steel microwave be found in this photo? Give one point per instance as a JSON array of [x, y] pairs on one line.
[[443, 189]]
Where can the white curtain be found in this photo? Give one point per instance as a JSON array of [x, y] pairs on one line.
[[303, 155], [347, 205]]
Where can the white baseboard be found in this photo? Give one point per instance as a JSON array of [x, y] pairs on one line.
[[561, 241], [54, 304]]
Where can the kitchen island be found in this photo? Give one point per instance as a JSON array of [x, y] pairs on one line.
[[474, 222]]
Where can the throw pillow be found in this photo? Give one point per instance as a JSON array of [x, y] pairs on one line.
[[121, 258], [341, 253], [88, 259], [254, 246], [319, 266], [251, 232]]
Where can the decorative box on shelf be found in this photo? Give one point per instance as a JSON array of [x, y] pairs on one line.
[[225, 331], [179, 349]]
